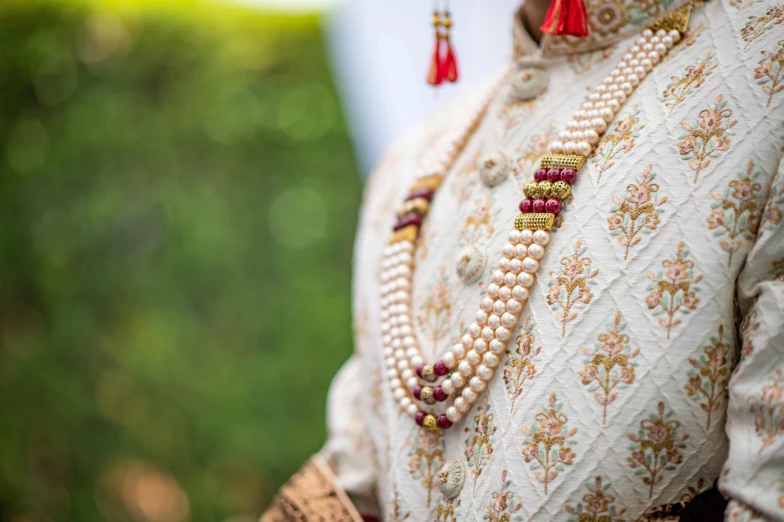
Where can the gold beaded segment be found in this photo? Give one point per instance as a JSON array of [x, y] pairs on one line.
[[408, 233], [534, 221], [562, 161], [419, 205]]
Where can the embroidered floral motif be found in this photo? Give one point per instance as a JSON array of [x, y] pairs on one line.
[[502, 507], [681, 87], [774, 209], [688, 39], [581, 63], [513, 111], [708, 379], [609, 364], [446, 512], [769, 71], [735, 212], [479, 225], [479, 443], [759, 25], [748, 328], [570, 288], [546, 443], [674, 289], [769, 409], [436, 311], [656, 447], [395, 514], [618, 142], [599, 505], [466, 178], [426, 456], [531, 153], [520, 367], [743, 4], [706, 137], [637, 212]]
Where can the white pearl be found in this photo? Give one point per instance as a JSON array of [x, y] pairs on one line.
[[391, 364], [392, 374], [461, 405], [584, 148], [542, 237], [620, 79], [499, 307], [599, 105], [536, 251], [449, 360], [599, 124], [402, 365], [395, 384], [612, 88], [675, 35], [508, 250], [613, 105], [607, 115], [633, 79], [654, 57], [580, 114], [626, 88], [480, 317], [607, 96], [556, 147], [503, 264], [494, 321], [520, 293], [399, 393], [641, 41], [506, 293], [607, 80], [661, 33], [412, 409], [647, 48], [490, 360], [647, 33], [593, 114], [492, 289], [526, 236], [411, 383], [591, 136], [498, 277], [469, 395], [564, 135], [508, 320], [514, 306], [453, 415], [634, 49], [620, 96], [667, 41], [466, 341], [515, 266], [477, 385], [525, 279], [569, 147], [487, 333], [497, 347], [584, 125], [503, 333], [411, 352], [405, 402], [486, 304], [661, 49], [484, 373], [514, 237], [474, 330], [407, 374], [457, 380], [572, 125], [416, 361], [447, 386], [519, 251], [464, 368], [600, 89], [647, 65], [530, 265], [480, 346]]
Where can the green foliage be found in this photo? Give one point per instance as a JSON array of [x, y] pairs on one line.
[[177, 205]]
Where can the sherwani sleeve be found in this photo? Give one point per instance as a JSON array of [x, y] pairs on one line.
[[753, 476]]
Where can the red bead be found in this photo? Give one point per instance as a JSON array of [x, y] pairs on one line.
[[526, 205], [540, 175], [553, 175], [539, 205], [439, 394], [443, 422], [412, 218], [419, 369], [418, 392], [421, 193], [440, 368], [568, 175], [420, 417], [553, 206]]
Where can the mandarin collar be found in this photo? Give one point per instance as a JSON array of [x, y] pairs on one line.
[[609, 21]]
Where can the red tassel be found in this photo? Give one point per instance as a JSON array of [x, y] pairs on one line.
[[435, 75], [566, 17], [450, 72]]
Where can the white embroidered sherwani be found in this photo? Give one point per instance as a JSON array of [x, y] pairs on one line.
[[648, 361]]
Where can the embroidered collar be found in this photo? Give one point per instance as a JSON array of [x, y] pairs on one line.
[[610, 21]]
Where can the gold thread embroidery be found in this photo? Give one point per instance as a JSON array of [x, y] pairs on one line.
[[395, 512], [707, 136], [599, 505], [769, 411], [770, 69], [520, 367], [435, 313], [681, 87], [759, 25], [710, 375], [637, 212], [502, 506], [673, 290], [570, 289], [479, 444], [426, 456], [618, 142]]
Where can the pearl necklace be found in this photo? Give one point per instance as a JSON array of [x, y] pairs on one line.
[[462, 373]]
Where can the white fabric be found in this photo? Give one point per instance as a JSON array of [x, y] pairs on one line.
[[660, 396]]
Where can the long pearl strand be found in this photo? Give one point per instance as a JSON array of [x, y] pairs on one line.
[[463, 372]]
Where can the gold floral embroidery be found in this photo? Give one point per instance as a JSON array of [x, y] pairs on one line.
[[513, 111], [395, 512], [520, 367], [656, 447], [743, 4], [773, 209], [706, 137], [617, 142], [748, 328], [581, 63], [446, 512], [570, 289], [479, 226], [466, 178], [546, 443], [769, 409], [426, 456], [536, 148], [502, 506], [687, 40], [637, 212], [609, 364], [599, 505], [673, 290], [681, 87], [735, 213], [759, 25], [479, 444], [708, 379], [769, 70], [436, 312]]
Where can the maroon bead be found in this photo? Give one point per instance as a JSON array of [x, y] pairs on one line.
[[553, 206], [526, 205], [539, 205], [419, 369], [439, 394], [440, 368], [443, 422], [540, 175], [418, 392], [420, 417], [412, 218], [553, 175], [568, 175], [421, 193]]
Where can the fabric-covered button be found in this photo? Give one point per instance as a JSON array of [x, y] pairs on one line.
[[529, 82], [495, 168], [451, 478], [470, 263]]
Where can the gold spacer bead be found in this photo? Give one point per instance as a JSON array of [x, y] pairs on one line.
[[419, 205], [532, 190], [432, 182], [408, 233], [430, 423], [561, 190], [428, 373], [562, 161], [426, 395], [545, 189], [534, 221]]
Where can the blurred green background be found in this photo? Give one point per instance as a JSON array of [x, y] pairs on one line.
[[178, 199]]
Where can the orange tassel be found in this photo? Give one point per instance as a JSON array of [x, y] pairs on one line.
[[435, 74], [566, 17]]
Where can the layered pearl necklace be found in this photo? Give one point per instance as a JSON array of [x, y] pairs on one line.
[[437, 395]]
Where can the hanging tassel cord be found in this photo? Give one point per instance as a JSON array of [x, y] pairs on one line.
[[450, 70], [435, 73], [566, 17]]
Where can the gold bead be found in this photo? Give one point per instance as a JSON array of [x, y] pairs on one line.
[[426, 395], [561, 190], [419, 205], [545, 189], [431, 181], [428, 373], [408, 233], [532, 190], [430, 423], [562, 161], [534, 221]]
